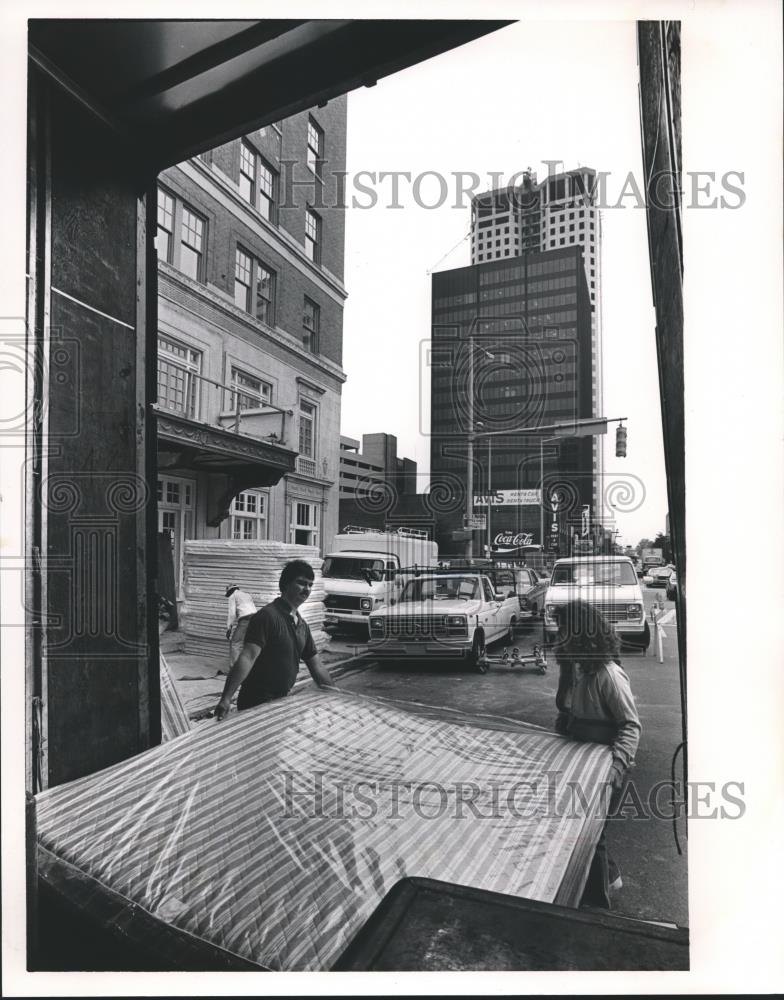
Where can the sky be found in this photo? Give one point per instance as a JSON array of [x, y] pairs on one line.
[[526, 94]]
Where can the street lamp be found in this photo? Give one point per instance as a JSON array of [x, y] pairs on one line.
[[470, 450], [480, 423], [542, 442]]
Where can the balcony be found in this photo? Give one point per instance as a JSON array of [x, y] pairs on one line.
[[186, 393], [241, 449]]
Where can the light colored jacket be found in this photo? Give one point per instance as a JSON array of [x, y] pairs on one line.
[[605, 695]]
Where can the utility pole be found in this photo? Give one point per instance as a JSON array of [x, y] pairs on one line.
[[470, 451]]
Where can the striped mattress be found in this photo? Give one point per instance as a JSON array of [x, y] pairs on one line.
[[174, 718], [274, 834]]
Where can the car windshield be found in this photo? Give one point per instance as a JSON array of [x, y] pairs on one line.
[[587, 574], [441, 588], [352, 568]]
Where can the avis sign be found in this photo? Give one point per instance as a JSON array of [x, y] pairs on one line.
[[509, 498], [507, 538]]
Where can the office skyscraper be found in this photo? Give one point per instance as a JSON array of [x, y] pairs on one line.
[[513, 336], [560, 211]]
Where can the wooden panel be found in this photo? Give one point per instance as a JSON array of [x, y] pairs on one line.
[[92, 492], [93, 213], [93, 714], [97, 507], [426, 925]]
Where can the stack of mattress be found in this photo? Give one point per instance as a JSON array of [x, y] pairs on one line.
[[270, 838], [210, 565]]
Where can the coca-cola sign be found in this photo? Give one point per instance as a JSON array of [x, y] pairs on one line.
[[512, 540]]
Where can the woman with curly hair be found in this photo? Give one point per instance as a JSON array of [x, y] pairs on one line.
[[595, 704]]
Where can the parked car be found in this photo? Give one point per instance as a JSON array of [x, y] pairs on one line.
[[659, 577], [610, 584], [532, 589], [447, 614]]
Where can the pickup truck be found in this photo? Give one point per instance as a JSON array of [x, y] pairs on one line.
[[445, 614]]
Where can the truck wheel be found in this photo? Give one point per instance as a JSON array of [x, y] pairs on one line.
[[512, 629], [640, 644], [478, 659]]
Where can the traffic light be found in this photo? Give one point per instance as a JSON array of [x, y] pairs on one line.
[[620, 441]]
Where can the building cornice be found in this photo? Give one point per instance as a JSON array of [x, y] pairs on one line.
[[224, 192], [215, 298], [313, 386]]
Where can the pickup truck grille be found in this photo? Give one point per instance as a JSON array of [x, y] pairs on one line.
[[338, 601], [416, 626]]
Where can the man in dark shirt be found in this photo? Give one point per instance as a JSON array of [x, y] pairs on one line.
[[276, 640]]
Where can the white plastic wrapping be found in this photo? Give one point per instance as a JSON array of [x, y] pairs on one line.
[[273, 835]]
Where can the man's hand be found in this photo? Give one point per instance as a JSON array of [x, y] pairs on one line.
[[222, 709], [319, 672]]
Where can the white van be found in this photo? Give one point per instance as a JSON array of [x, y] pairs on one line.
[[361, 570], [610, 584]]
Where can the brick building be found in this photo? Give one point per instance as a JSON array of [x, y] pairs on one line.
[[250, 246]]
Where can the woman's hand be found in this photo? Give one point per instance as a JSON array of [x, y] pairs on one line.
[[617, 774]]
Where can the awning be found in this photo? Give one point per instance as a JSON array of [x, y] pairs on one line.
[[176, 88], [242, 462]]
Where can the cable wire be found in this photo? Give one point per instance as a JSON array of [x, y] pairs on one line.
[[462, 240]]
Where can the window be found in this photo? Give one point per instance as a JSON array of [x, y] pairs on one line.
[[192, 241], [178, 386], [267, 192], [310, 321], [164, 241], [265, 294], [251, 392], [258, 183], [243, 280], [254, 287], [249, 516], [307, 427], [247, 173], [180, 238], [304, 528], [313, 236], [315, 151]]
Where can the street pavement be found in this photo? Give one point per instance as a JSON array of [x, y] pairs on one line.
[[654, 874]]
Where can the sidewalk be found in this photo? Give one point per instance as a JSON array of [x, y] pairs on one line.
[[199, 679]]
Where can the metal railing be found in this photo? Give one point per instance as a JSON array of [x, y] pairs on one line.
[[198, 397]]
